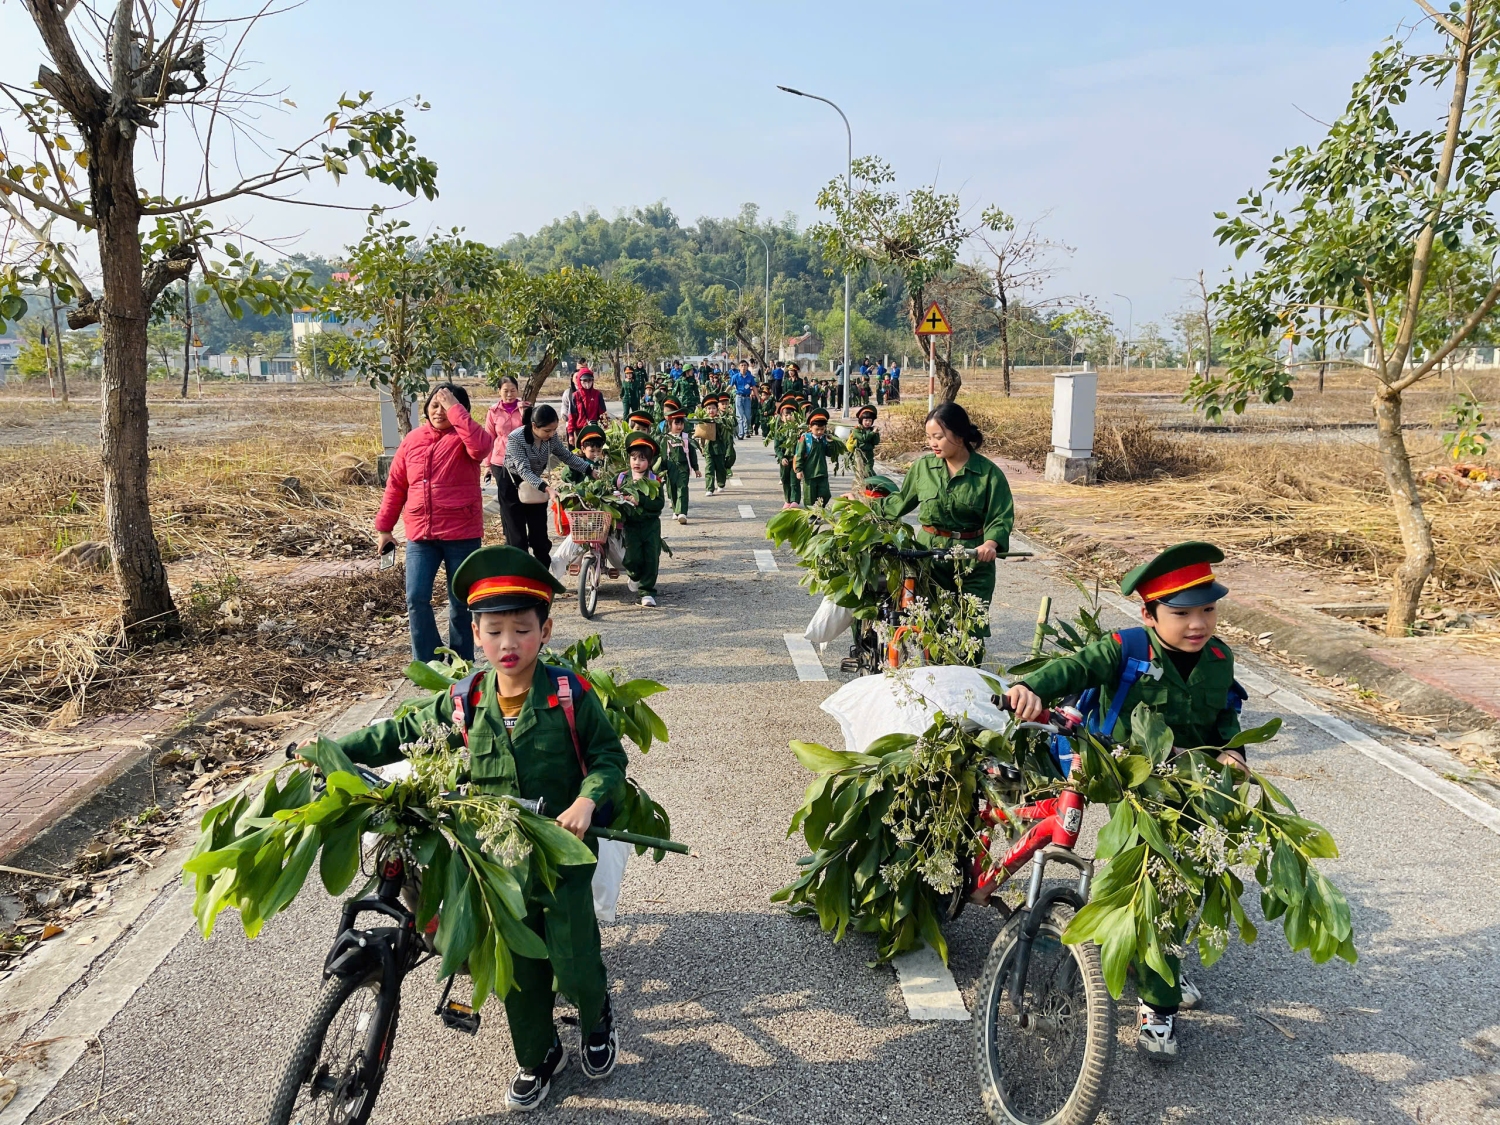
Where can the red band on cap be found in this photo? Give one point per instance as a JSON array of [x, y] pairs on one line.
[[1174, 581], [509, 584]]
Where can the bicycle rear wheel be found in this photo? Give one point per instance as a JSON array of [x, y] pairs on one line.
[[339, 1062], [1055, 1071]]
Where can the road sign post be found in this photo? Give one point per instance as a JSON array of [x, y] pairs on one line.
[[932, 325]]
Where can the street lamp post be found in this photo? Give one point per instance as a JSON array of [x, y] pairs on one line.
[[765, 346], [848, 189], [1129, 329], [741, 290]]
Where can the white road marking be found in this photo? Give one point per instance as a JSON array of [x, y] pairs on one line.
[[735, 482], [804, 658], [1285, 699], [765, 562], [928, 987], [747, 512]]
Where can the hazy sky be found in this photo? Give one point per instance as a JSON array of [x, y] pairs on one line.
[[1131, 123]]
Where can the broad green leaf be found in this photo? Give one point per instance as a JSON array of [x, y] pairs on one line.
[[1263, 733], [427, 677], [294, 874], [340, 859], [1119, 832], [1117, 947], [820, 759], [457, 926]]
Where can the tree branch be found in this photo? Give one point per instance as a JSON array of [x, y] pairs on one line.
[[1442, 21], [1463, 332], [79, 216], [71, 84]]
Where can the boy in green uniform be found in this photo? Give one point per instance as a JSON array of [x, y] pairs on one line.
[[726, 431], [812, 457], [679, 457], [641, 422], [590, 448], [1189, 682], [524, 742], [713, 448], [641, 516], [630, 389], [685, 390], [862, 443], [784, 433]]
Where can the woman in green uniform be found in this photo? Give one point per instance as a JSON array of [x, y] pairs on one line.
[[962, 500]]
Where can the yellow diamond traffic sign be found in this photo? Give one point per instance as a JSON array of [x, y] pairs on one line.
[[934, 323]]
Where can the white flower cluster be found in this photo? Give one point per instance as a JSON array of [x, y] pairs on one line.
[[497, 823], [1170, 886], [1210, 848]]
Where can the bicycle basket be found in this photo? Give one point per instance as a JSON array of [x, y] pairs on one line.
[[590, 527]]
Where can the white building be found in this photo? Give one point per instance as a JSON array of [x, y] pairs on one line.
[[10, 348]]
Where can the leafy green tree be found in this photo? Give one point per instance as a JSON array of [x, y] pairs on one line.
[[546, 316], [408, 305], [129, 66], [1352, 234], [915, 237]]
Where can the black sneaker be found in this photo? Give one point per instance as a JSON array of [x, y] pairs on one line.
[[529, 1088], [602, 1047]]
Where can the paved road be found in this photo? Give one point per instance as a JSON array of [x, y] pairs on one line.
[[732, 1010]]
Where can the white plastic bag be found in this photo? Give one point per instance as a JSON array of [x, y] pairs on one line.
[[904, 701], [830, 620], [563, 554], [608, 875]]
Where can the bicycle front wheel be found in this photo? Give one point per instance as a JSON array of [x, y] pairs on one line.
[[1054, 1071], [588, 586], [339, 1062]]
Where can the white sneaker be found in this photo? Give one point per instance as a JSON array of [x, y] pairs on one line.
[[682, 519], [648, 601], [632, 585], [1158, 1034], [1192, 996]]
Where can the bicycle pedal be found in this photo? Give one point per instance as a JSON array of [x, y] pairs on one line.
[[573, 568], [460, 1017], [849, 664]]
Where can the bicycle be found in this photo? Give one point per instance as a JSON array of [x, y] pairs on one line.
[[1044, 1023], [345, 1046], [868, 655], [591, 530]]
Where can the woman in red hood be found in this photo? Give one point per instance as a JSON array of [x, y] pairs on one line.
[[584, 404]]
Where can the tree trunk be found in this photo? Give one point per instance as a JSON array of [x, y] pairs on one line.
[[1004, 340], [62, 367], [187, 330], [1416, 532], [147, 609], [402, 408], [538, 377]]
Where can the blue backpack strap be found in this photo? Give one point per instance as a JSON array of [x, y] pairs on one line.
[[465, 695], [1237, 697], [1135, 661]]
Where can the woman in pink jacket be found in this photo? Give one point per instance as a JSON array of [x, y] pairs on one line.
[[433, 488], [505, 416]]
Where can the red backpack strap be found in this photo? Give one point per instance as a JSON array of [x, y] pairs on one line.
[[465, 695], [562, 683]]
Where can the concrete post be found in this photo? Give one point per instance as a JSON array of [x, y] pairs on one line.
[[1073, 399], [390, 433]]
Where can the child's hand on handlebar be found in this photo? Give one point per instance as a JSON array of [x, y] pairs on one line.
[[987, 551], [577, 817], [1026, 704]]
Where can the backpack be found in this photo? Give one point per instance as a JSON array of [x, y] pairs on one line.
[[467, 691], [1135, 662]]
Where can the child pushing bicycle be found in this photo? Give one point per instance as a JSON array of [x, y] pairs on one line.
[[1175, 665], [532, 731]]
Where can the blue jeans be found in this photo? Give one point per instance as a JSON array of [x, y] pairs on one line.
[[423, 558], [742, 409]]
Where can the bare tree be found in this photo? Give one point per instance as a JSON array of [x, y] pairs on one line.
[[114, 71]]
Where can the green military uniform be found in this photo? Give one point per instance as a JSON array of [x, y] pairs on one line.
[[1199, 706], [861, 444], [535, 758], [593, 432], [642, 525], [811, 461], [973, 506], [630, 390], [784, 436], [685, 391], [679, 458], [715, 471]]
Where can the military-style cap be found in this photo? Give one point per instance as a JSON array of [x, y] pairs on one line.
[[497, 579], [870, 410], [675, 411], [642, 441], [1181, 576], [878, 486], [819, 415], [641, 416], [670, 404], [592, 432]]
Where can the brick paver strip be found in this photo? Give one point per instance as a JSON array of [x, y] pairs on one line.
[[36, 793]]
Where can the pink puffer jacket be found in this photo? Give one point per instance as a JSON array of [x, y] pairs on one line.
[[433, 486]]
